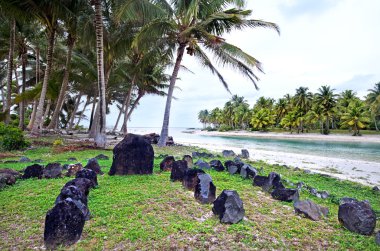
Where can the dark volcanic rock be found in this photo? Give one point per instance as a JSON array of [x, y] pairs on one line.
[[377, 238], [153, 138], [33, 171], [63, 224], [202, 155], [179, 169], [232, 169], [285, 194], [244, 154], [88, 174], [133, 155], [376, 189], [170, 141], [167, 163], [357, 217], [310, 210], [248, 172], [8, 177], [228, 153], [79, 198], [73, 169], [345, 200], [102, 157], [83, 184], [52, 171], [217, 165], [93, 165], [229, 207], [205, 190], [38, 160], [72, 159], [202, 164], [24, 160], [273, 181], [190, 179], [229, 163], [189, 160]]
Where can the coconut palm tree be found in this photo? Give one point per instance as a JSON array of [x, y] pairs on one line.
[[262, 119], [373, 101], [326, 99], [356, 117], [302, 100], [203, 117], [195, 25]]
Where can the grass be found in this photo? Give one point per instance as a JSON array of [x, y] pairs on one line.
[[151, 213]]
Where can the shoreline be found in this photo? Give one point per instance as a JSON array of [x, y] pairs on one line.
[[306, 136]]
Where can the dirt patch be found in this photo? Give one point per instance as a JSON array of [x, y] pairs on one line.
[[72, 148], [8, 155]]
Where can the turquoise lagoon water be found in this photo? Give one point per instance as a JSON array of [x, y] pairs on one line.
[[344, 150]]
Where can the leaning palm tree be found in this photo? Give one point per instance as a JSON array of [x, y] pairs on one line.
[[373, 101], [356, 116], [195, 26]]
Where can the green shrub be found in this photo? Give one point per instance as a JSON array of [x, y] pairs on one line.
[[12, 138], [58, 142], [225, 128]]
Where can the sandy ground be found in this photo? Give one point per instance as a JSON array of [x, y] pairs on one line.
[[365, 172]]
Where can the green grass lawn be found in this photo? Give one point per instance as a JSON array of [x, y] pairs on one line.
[[151, 213]]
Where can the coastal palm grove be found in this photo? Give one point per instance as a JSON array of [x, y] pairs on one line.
[[59, 59], [301, 112]]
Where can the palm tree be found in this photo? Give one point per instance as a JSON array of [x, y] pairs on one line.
[[326, 99], [373, 101], [12, 38], [188, 25], [281, 108], [203, 117], [302, 100], [262, 119], [290, 120], [356, 116]]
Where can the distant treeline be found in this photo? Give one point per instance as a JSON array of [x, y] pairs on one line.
[[301, 112]]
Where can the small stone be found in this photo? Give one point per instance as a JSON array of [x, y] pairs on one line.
[[190, 180], [167, 163], [24, 160], [376, 189], [313, 191], [52, 171], [310, 210], [324, 195], [217, 165], [229, 207], [248, 172], [93, 165], [307, 171], [88, 174], [102, 157], [202, 164], [189, 160], [285, 194], [377, 238], [33, 171], [72, 159], [357, 217], [179, 169], [205, 190], [228, 153], [73, 169], [300, 185], [244, 154], [38, 161]]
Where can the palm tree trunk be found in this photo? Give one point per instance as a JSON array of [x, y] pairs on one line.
[[95, 122], [83, 110], [77, 102], [49, 59], [173, 78], [3, 99], [374, 119], [132, 109], [127, 104], [92, 114], [54, 120], [100, 136], [46, 113], [33, 115], [22, 104], [10, 66], [118, 118]]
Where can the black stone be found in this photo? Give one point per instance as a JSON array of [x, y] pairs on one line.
[[167, 163], [228, 153], [179, 169], [33, 171], [233, 169], [310, 210], [102, 157], [79, 198], [93, 165], [229, 207], [273, 181], [133, 155], [357, 217], [285, 194], [72, 159], [190, 179], [217, 165], [202, 164], [72, 169], [63, 224], [52, 171], [345, 200], [189, 160], [204, 190], [24, 159], [202, 155], [153, 138], [38, 160], [244, 154], [83, 184], [88, 174], [229, 163], [248, 172], [377, 238]]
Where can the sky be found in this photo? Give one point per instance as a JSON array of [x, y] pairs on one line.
[[323, 42]]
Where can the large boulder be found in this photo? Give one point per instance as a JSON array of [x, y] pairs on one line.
[[217, 165], [310, 210], [228, 153], [205, 190], [63, 224], [133, 155], [189, 160], [93, 165], [72, 169], [79, 198], [244, 154], [179, 169], [202, 164], [88, 174], [83, 184], [190, 180], [248, 172], [167, 163], [52, 171], [273, 181], [285, 194], [229, 207], [202, 155], [33, 171], [357, 217]]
